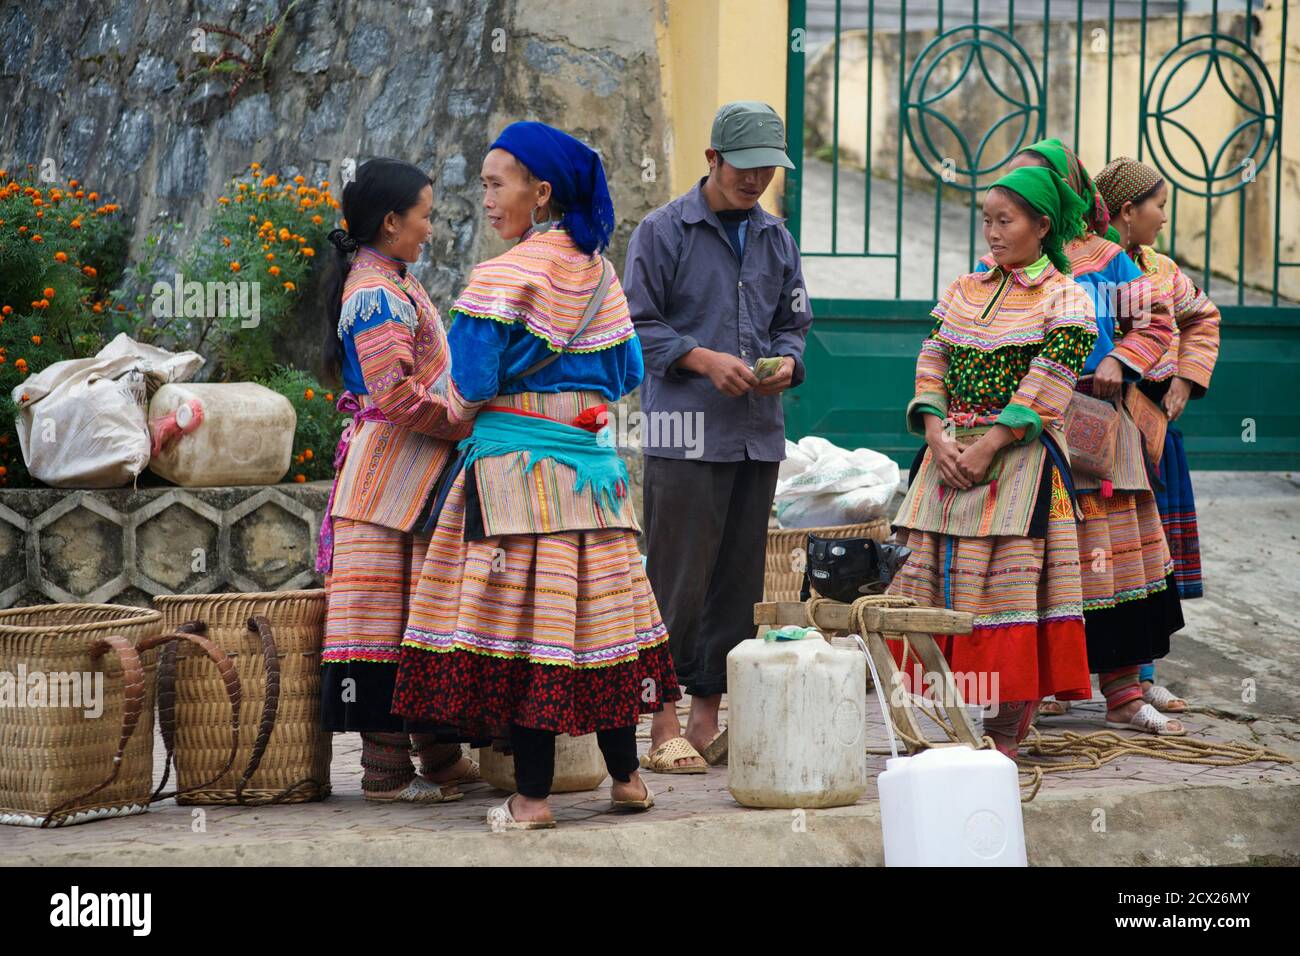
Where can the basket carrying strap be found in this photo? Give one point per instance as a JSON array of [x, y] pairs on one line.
[[260, 626], [194, 632], [132, 707]]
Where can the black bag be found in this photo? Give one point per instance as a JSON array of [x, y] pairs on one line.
[[844, 569]]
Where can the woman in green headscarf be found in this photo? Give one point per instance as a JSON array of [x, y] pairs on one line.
[[1128, 611], [988, 513]]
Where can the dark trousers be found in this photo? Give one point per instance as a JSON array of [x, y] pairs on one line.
[[535, 757], [706, 547]]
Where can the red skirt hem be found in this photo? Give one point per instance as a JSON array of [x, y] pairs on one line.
[[485, 694]]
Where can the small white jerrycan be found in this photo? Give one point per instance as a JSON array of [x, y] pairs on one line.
[[221, 433], [796, 735], [952, 806], [579, 765]]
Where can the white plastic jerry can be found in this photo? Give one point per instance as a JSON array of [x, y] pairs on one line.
[[579, 765], [796, 734], [241, 434], [952, 806]]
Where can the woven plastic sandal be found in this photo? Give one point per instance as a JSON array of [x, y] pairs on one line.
[[1161, 698], [501, 818], [660, 760], [419, 790], [1149, 721]]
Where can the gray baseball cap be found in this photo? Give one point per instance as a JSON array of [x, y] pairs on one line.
[[749, 134]]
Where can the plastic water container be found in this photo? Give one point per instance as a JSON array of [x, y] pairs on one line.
[[579, 765], [244, 437], [796, 735], [952, 806]]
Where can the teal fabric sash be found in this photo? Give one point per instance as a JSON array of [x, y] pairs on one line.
[[596, 462]]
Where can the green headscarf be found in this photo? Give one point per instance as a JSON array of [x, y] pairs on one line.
[[1052, 196], [1067, 164]]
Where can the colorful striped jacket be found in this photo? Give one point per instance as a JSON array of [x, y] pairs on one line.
[[395, 351], [1194, 348]]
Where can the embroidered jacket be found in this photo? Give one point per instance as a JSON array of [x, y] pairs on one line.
[[518, 308], [395, 351], [1194, 346], [1007, 347]]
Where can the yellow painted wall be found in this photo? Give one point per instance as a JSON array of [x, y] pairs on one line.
[[713, 52]]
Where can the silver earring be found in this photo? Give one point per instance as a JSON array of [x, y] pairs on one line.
[[542, 226]]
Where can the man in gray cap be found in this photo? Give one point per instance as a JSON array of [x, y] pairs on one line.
[[718, 299]]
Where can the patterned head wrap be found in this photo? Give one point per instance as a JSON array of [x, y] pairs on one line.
[[1052, 196], [1068, 166], [1126, 180]]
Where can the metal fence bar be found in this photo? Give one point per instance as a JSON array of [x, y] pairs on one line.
[[871, 75], [835, 141], [1277, 168]]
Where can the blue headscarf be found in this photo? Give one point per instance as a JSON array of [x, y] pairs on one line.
[[576, 176]]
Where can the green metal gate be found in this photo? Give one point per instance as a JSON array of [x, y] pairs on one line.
[[937, 98]]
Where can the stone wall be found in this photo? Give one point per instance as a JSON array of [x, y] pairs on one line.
[[124, 546], [113, 93]]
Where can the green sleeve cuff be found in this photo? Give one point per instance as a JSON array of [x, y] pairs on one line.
[[927, 403], [1021, 416]]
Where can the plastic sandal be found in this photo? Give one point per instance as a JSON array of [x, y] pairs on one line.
[[419, 790], [1149, 721], [1162, 699], [501, 818], [1053, 708], [660, 760]]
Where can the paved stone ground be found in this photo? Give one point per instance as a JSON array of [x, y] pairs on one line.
[[1244, 628]]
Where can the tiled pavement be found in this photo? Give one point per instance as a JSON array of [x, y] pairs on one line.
[[171, 828]]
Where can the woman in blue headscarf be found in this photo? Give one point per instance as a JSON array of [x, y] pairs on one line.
[[533, 615]]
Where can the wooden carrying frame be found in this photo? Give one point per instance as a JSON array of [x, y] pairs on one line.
[[877, 619]]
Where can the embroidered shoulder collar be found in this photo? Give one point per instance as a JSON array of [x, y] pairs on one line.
[[374, 281], [544, 283], [1025, 275]]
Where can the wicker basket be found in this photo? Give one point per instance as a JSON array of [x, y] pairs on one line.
[[781, 581], [58, 764], [283, 755]]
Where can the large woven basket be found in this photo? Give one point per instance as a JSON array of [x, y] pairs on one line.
[[786, 547], [294, 768], [53, 759]]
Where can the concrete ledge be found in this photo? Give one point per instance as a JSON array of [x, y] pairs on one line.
[[1223, 825]]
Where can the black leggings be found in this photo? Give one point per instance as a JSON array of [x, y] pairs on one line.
[[535, 757]]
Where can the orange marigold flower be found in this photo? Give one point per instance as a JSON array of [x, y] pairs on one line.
[[329, 396], [7, 310], [289, 287], [317, 219], [307, 453], [308, 251], [36, 340], [45, 303], [309, 394], [93, 197], [80, 194], [21, 365], [60, 257], [270, 256], [269, 181], [37, 237], [225, 241], [90, 271], [22, 228], [224, 200], [97, 307], [234, 267], [255, 166], [49, 292], [72, 184], [300, 179], [284, 234], [75, 224], [300, 478], [274, 270]]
